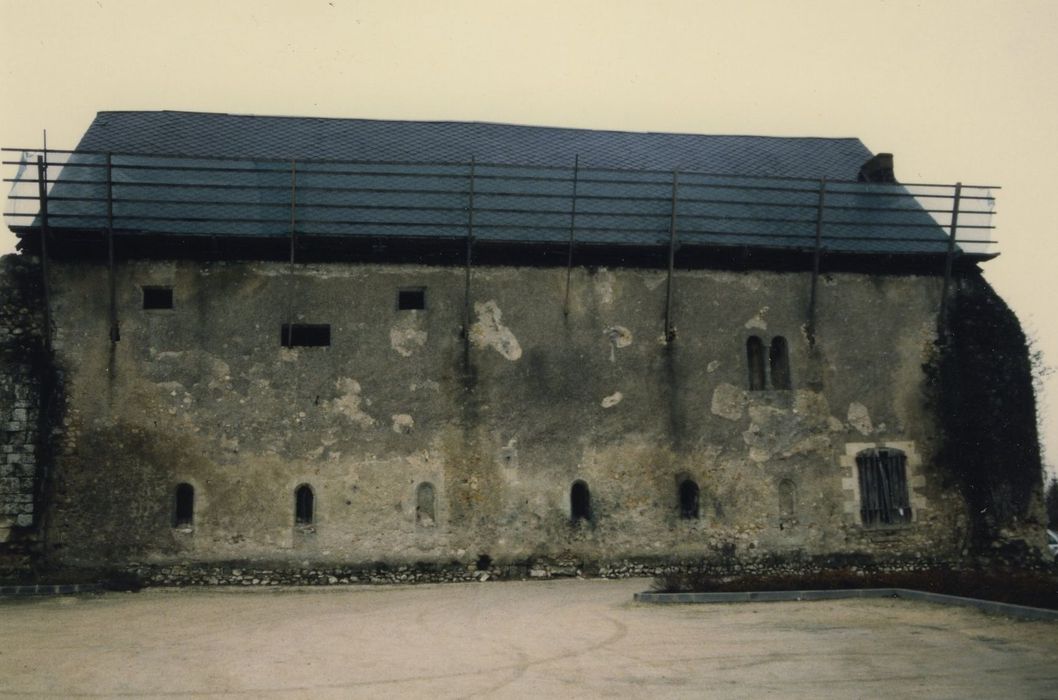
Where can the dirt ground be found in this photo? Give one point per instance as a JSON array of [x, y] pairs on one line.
[[556, 638]]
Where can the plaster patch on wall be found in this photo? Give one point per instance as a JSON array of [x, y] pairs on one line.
[[604, 287], [654, 281], [620, 337], [488, 331], [712, 366], [859, 418], [509, 453], [348, 403], [758, 320], [728, 401], [612, 400], [403, 423], [405, 337]]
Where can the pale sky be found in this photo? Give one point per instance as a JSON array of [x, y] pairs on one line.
[[956, 90]]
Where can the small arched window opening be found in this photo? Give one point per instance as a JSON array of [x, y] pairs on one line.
[[787, 500], [184, 510], [304, 505], [755, 358], [779, 358], [579, 502], [425, 505], [688, 499], [883, 487]]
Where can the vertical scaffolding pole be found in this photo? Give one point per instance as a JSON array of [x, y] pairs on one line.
[[572, 230], [670, 331], [293, 206], [115, 334], [948, 261], [817, 253], [288, 333], [469, 261], [42, 193]]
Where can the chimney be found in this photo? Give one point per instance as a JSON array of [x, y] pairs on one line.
[[878, 169]]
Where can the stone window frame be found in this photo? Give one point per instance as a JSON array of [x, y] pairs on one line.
[[850, 482], [768, 357]]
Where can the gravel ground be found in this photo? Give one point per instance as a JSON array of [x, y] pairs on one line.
[[540, 638]]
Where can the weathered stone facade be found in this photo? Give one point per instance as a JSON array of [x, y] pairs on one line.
[[204, 394], [500, 423]]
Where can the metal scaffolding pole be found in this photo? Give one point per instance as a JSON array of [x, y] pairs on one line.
[[817, 253], [572, 230], [469, 262], [942, 322], [670, 331], [115, 334], [42, 193]]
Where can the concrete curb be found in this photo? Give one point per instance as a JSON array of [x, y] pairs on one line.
[[1020, 611], [48, 589]]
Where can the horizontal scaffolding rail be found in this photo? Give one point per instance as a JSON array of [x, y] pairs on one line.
[[217, 196]]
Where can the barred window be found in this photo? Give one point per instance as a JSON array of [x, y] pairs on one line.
[[883, 487]]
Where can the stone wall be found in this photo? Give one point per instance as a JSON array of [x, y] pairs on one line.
[[501, 427], [23, 387]]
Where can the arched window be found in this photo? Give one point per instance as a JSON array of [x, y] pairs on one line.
[[755, 358], [424, 504], [304, 505], [688, 499], [883, 487], [184, 509], [787, 500], [579, 502], [780, 363]]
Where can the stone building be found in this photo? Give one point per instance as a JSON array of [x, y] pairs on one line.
[[286, 344]]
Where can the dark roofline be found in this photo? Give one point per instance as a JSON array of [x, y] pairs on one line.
[[91, 245]]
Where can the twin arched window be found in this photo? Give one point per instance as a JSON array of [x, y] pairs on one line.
[[773, 360]]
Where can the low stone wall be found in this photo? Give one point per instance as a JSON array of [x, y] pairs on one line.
[[252, 574]]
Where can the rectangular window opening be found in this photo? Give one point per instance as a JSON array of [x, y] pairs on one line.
[[411, 299], [305, 335], [157, 297]]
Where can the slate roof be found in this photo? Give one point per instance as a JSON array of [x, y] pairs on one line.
[[286, 138], [414, 179]]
